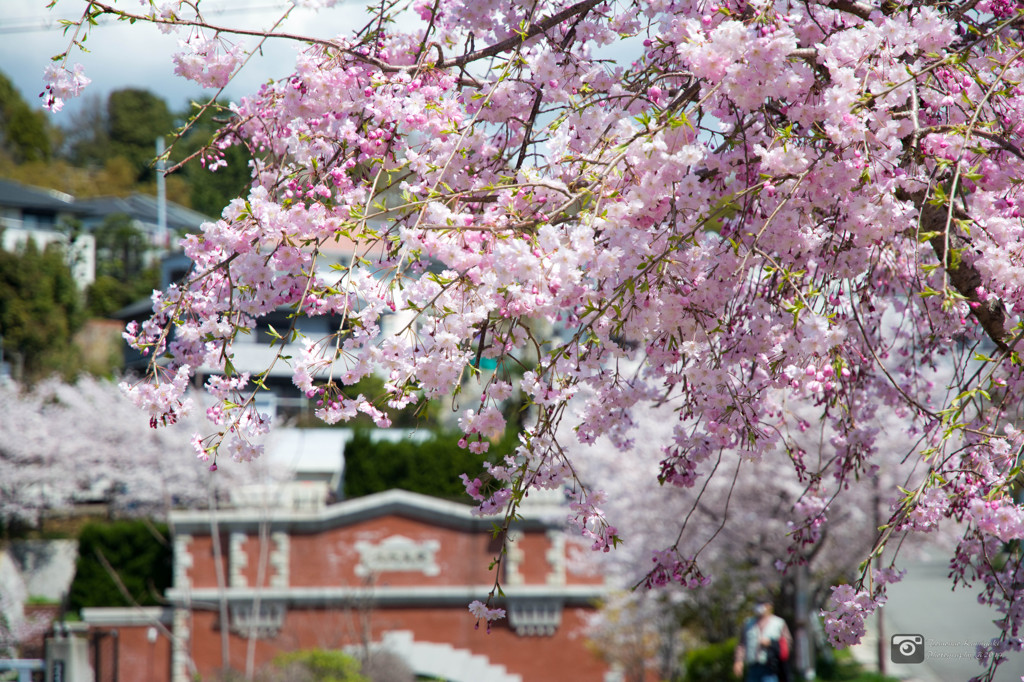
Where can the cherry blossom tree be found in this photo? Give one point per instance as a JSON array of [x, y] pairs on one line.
[[15, 627], [788, 536], [61, 444], [717, 205]]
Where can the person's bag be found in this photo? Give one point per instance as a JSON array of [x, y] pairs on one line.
[[774, 662], [783, 649]]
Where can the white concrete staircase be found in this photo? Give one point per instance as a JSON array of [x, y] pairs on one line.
[[443, 660]]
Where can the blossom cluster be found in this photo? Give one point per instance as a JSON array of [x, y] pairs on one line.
[[773, 202], [485, 613], [63, 84], [203, 61], [844, 620]]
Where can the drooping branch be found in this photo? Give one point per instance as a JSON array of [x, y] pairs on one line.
[[963, 274], [532, 31], [860, 9]]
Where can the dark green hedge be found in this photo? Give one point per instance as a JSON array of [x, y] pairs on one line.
[[431, 467], [140, 554], [321, 666], [712, 663]]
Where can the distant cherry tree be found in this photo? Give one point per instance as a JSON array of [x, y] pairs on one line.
[[62, 444], [710, 203], [16, 627], [787, 536]]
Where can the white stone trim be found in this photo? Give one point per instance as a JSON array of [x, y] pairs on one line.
[[514, 556], [398, 553], [459, 595], [126, 616], [180, 646], [183, 561], [238, 560], [280, 558], [556, 557]]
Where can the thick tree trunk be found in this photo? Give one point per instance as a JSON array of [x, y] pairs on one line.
[[962, 273]]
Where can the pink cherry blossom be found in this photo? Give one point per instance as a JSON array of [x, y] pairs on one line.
[[206, 62], [774, 219], [63, 84]]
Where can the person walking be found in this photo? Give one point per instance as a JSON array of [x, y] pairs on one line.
[[763, 648]]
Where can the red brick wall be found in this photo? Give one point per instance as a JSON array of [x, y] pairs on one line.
[[203, 571], [137, 658], [140, 660], [330, 559], [561, 657], [251, 547], [535, 566]]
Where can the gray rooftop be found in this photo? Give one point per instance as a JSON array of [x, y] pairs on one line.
[[34, 198], [142, 207]]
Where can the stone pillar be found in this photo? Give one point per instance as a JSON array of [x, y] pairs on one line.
[[67, 659]]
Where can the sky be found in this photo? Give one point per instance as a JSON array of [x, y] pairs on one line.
[[123, 55]]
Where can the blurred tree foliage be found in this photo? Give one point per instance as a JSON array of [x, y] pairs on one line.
[[135, 119], [115, 178], [24, 132], [86, 138], [108, 147], [139, 554], [712, 663], [122, 275], [127, 128], [82, 160], [318, 665], [210, 192], [120, 248], [40, 311], [431, 467]]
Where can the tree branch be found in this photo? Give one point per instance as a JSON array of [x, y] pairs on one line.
[[532, 31], [859, 9], [964, 276]]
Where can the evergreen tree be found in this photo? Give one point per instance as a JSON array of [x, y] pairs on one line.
[[40, 310], [135, 118], [211, 191], [431, 467], [141, 554], [127, 128], [24, 133]]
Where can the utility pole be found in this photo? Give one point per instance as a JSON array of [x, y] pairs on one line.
[[880, 613], [161, 197], [802, 643]]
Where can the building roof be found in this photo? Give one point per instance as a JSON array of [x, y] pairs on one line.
[[17, 195], [141, 207], [542, 511], [144, 208]]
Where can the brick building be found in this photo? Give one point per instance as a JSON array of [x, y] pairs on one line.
[[393, 571]]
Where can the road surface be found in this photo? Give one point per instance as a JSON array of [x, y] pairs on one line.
[[950, 625]]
